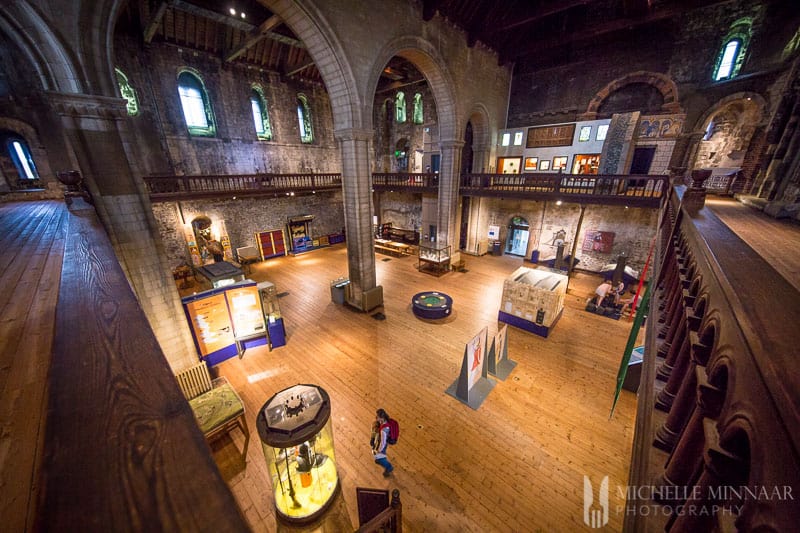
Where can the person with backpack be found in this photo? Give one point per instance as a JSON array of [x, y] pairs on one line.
[[386, 438]]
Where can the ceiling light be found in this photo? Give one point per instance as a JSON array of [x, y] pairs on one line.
[[558, 202], [232, 12], [243, 15]]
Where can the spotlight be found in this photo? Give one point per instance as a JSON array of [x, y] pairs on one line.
[[558, 202], [232, 12], [243, 15]]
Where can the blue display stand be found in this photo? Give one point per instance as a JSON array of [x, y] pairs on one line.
[[277, 333], [527, 325]]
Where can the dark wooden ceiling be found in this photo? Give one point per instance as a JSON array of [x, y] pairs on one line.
[[515, 29]]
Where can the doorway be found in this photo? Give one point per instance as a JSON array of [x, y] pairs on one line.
[[642, 158], [518, 234]]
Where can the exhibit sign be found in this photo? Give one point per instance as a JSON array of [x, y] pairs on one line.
[[476, 355], [211, 323], [500, 366], [472, 385], [225, 321], [245, 309]]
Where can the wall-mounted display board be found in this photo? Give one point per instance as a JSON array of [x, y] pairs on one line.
[[225, 321], [271, 243], [598, 241]]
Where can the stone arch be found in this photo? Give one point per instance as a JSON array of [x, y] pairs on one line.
[[664, 84], [324, 48], [428, 61], [43, 50], [481, 136], [758, 101]]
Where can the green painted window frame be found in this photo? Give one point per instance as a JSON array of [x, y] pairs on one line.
[[739, 33], [127, 91], [190, 80], [400, 107], [304, 120], [418, 109], [258, 107]]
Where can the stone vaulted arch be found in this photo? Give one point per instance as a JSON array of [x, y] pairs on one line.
[[664, 84]]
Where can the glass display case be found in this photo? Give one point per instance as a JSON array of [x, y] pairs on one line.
[[434, 258], [297, 440], [272, 314]]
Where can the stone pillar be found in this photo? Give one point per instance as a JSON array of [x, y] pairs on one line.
[[94, 129], [356, 186], [480, 159], [448, 221]]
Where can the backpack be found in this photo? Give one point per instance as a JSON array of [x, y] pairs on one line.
[[394, 431]]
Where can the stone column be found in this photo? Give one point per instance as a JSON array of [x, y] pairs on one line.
[[447, 225], [94, 129], [356, 188], [480, 159]]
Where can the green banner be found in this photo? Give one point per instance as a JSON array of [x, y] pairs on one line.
[[641, 311]]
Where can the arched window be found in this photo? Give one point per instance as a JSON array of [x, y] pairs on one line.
[[400, 107], [258, 105], [196, 105], [127, 92], [21, 156], [731, 56], [417, 118], [304, 119]]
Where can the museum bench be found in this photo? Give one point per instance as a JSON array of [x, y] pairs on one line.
[[215, 404]]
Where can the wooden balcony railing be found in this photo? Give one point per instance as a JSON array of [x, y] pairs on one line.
[[383, 181], [719, 386], [167, 188], [122, 450], [642, 191]]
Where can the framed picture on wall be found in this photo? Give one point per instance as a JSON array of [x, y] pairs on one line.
[[531, 163], [585, 134], [544, 164], [560, 163]]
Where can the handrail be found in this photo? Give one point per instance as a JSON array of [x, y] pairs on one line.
[[722, 334], [414, 180], [600, 187], [122, 449], [390, 520], [164, 188]]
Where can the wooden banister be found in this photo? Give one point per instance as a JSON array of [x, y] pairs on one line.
[[389, 520], [122, 449]]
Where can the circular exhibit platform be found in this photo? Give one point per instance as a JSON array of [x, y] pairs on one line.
[[431, 304]]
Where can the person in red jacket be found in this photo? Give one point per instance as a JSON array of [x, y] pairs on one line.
[[379, 452]]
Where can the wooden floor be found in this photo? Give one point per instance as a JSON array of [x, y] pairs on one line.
[[777, 241], [515, 464], [32, 242]]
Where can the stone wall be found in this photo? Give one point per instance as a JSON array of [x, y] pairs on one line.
[[166, 145], [633, 228], [403, 210], [244, 217]]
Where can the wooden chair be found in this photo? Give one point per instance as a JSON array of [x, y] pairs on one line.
[[216, 406]]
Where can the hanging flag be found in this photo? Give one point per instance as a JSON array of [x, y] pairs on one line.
[[626, 356]]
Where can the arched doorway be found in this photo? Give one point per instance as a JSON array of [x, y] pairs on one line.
[[517, 236]]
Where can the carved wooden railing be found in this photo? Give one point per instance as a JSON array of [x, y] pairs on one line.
[[122, 450], [390, 520], [405, 180], [719, 385], [167, 188], [634, 190]]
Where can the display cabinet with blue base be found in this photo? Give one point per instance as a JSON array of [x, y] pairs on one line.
[[272, 314]]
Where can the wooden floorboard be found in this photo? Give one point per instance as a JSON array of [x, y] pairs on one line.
[[515, 464], [776, 240], [30, 271]]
